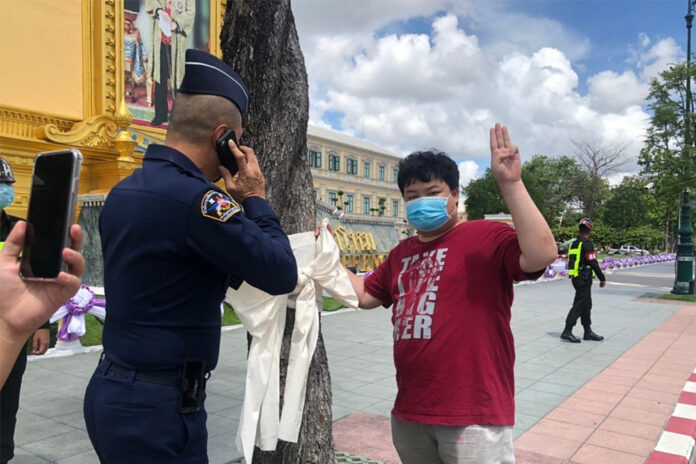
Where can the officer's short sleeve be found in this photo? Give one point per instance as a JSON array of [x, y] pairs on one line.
[[249, 244]]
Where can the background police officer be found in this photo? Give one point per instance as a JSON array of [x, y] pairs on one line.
[[9, 395], [172, 243], [582, 261]]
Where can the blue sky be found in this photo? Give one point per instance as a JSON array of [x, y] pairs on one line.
[[612, 26], [410, 74]]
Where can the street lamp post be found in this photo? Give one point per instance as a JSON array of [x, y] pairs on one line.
[[687, 111], [684, 279]]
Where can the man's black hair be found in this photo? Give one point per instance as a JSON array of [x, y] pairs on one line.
[[584, 229], [426, 166]]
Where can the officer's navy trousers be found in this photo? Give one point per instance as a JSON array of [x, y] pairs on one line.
[[582, 304], [130, 421]]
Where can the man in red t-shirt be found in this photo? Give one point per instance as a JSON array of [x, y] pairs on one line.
[[450, 288]]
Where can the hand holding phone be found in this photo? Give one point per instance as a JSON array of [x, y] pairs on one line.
[[224, 153], [51, 213]]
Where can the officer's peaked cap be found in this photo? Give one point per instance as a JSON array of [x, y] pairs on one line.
[[206, 74]]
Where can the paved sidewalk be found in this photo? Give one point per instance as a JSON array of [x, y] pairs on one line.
[[548, 373], [618, 416]]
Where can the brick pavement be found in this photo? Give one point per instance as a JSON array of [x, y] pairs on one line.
[[548, 373]]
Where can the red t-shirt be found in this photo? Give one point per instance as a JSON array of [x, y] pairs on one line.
[[453, 346]]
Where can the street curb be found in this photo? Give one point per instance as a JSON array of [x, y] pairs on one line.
[[677, 442]]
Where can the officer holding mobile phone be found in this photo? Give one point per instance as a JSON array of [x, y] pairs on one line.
[[172, 243], [9, 395]]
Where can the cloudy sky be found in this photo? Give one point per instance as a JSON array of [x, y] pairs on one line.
[[412, 74]]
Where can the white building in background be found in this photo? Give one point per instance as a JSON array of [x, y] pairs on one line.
[[354, 175]]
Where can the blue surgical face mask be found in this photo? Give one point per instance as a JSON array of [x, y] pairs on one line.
[[427, 213], [6, 195]]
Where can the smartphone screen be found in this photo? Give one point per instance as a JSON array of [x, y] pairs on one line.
[[51, 212]]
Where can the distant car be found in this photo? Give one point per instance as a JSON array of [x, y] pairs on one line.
[[632, 250], [613, 251]]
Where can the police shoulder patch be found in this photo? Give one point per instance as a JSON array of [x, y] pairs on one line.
[[216, 205]]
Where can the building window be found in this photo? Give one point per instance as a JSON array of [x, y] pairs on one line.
[[334, 162], [381, 173], [349, 203], [333, 198], [396, 174], [314, 158], [395, 208], [366, 205], [366, 169], [351, 166]]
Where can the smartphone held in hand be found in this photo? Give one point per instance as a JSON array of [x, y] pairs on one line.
[[51, 213]]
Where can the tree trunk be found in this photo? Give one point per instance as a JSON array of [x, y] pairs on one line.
[[260, 42]]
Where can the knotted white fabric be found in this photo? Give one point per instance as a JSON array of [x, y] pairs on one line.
[[263, 316], [74, 310]]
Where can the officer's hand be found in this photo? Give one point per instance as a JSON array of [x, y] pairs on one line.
[[249, 181], [505, 157], [40, 342], [603, 284]]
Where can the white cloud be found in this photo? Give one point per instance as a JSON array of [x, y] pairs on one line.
[[468, 171], [474, 66], [611, 92], [363, 17], [652, 60]]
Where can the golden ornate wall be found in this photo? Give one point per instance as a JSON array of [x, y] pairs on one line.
[[62, 85]]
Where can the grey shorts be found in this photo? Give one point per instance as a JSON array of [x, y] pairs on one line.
[[442, 444]]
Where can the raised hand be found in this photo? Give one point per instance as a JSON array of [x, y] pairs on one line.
[[505, 157]]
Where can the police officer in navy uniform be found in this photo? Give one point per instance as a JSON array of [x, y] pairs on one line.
[[9, 394], [172, 243], [582, 262]]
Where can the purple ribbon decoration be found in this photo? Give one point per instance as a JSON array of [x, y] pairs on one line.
[[73, 313]]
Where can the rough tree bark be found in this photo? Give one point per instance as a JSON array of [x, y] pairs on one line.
[[260, 42]]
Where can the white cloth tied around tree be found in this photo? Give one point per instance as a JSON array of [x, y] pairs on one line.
[[263, 316]]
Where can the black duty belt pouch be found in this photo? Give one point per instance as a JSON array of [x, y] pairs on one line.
[[585, 273], [193, 381]]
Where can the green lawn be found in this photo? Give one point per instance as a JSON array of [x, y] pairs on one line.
[[669, 296], [93, 336]]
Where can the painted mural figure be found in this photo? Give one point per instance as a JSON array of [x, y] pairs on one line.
[[172, 24], [135, 59]]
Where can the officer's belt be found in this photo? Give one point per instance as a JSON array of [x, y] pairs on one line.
[[161, 377]]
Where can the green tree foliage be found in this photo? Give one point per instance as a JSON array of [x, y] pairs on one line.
[[483, 197], [550, 182], [668, 154], [631, 205]]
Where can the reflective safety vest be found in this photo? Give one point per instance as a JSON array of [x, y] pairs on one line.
[[1, 245], [574, 258]]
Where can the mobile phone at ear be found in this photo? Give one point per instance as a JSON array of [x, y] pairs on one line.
[[51, 212], [224, 153]]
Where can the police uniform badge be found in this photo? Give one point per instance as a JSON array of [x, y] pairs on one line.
[[218, 206]]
